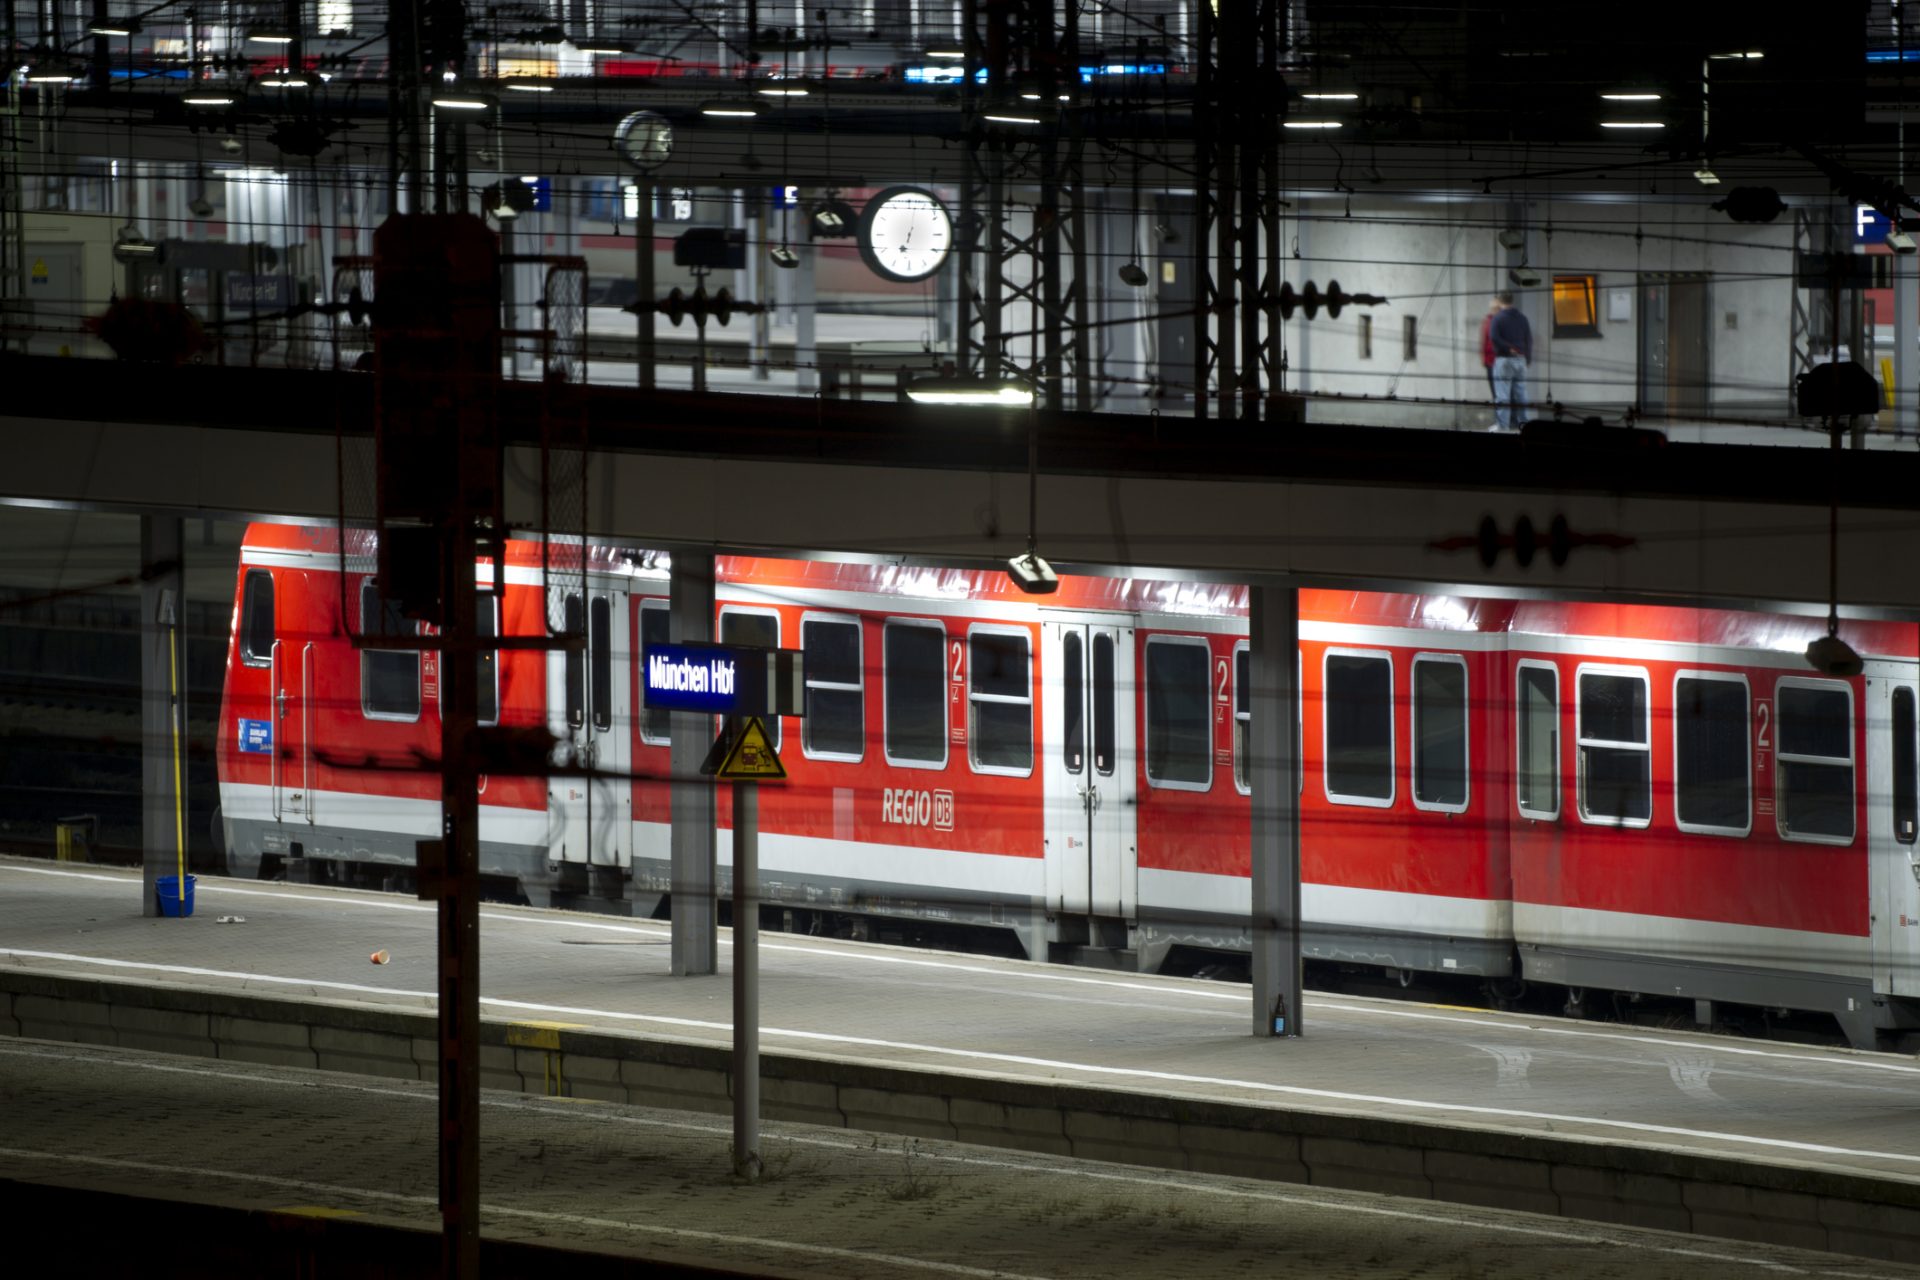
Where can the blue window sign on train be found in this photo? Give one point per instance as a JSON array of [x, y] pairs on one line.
[[256, 737], [681, 677]]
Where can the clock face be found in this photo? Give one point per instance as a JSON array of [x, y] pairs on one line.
[[645, 139], [905, 233]]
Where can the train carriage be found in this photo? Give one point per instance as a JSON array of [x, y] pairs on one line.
[[1599, 797]]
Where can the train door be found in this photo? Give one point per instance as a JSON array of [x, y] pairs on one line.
[[1893, 823], [1089, 747], [589, 700], [291, 678]]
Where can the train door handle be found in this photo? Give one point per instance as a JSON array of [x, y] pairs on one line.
[[280, 705], [1093, 799]]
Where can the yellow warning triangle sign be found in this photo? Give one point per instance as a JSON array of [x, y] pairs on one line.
[[752, 758]]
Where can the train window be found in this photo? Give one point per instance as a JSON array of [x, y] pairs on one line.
[[256, 619], [1105, 699], [1537, 739], [487, 621], [1179, 712], [1357, 700], [1440, 732], [1813, 786], [1000, 700], [1242, 714], [600, 652], [1614, 738], [575, 624], [656, 620], [835, 726], [913, 678], [1712, 766], [760, 629], [1073, 701], [1904, 799], [389, 678]]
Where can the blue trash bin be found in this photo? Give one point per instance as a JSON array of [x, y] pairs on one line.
[[169, 889]]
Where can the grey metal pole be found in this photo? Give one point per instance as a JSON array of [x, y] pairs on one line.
[[1274, 613], [643, 288], [162, 699], [694, 938], [746, 980]]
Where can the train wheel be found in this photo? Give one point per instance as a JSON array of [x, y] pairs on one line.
[[1505, 993], [1576, 1006]]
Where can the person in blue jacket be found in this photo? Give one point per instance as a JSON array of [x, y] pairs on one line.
[[1512, 339]]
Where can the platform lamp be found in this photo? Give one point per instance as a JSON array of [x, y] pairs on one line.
[[1028, 571]]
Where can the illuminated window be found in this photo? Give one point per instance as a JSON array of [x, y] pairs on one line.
[[1574, 313], [336, 15]]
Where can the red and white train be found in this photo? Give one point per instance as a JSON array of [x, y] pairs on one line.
[[1605, 797]]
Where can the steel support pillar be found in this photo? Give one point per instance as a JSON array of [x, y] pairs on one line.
[[643, 289], [695, 941], [1274, 614], [1906, 365], [162, 707]]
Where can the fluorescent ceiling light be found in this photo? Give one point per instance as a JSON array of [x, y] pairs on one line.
[[1331, 97], [1707, 176], [461, 102], [970, 391], [1004, 118], [51, 77], [731, 110], [1631, 97], [603, 46], [528, 86], [269, 37], [783, 92], [946, 53], [283, 80], [209, 100], [114, 29], [1632, 124], [1313, 124]]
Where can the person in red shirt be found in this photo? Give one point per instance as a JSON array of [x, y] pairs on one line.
[[1486, 344]]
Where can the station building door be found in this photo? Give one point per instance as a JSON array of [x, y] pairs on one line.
[[1676, 348]]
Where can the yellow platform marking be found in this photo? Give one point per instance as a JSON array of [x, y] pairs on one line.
[[539, 1035]]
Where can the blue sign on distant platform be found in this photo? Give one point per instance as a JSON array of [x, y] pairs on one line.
[[723, 680], [256, 737], [1870, 226], [258, 293]]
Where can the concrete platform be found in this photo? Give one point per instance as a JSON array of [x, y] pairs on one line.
[[1787, 1144], [632, 1182]]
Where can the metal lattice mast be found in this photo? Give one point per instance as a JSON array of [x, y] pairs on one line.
[[1238, 100], [1028, 57], [13, 231]]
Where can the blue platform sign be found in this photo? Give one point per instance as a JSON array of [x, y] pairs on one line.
[[256, 737], [1870, 226], [685, 677], [258, 293]]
